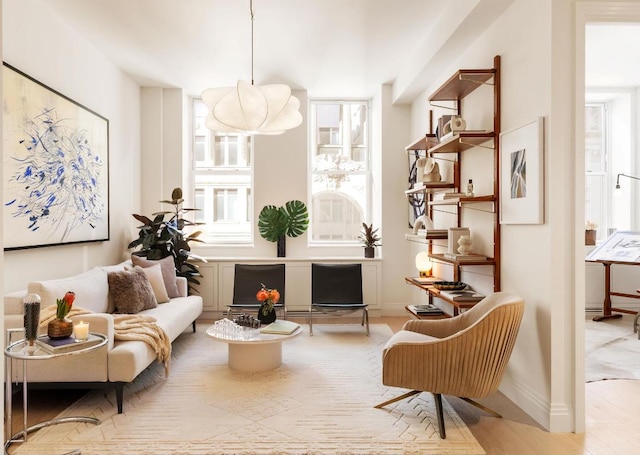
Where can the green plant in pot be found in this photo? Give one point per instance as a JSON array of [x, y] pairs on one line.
[[159, 238], [276, 223], [370, 238]]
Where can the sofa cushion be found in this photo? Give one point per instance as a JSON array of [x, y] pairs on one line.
[[168, 267], [130, 291], [91, 289], [154, 275]]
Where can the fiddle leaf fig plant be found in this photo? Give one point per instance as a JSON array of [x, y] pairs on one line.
[[291, 220]]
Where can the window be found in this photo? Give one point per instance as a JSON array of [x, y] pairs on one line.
[[609, 145], [222, 174], [340, 169]]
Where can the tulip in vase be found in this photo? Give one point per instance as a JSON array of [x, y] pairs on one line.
[[62, 327]]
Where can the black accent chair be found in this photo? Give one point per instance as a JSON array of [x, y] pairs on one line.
[[336, 289], [247, 280]]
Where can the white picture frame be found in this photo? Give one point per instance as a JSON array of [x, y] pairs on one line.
[[522, 174]]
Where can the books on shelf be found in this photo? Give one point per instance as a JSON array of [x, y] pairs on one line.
[[433, 233], [425, 310], [465, 295], [465, 257], [453, 195], [66, 344], [280, 327], [426, 279]]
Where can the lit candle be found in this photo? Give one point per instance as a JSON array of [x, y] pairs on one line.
[[82, 330]]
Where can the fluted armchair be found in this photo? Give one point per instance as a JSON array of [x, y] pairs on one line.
[[464, 356]]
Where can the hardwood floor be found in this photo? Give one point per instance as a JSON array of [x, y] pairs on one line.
[[611, 426]]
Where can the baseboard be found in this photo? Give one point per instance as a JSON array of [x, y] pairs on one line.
[[555, 418]]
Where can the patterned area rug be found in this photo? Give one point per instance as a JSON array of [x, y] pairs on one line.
[[320, 401], [612, 349]]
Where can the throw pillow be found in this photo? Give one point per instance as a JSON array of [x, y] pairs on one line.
[[130, 291], [168, 268], [154, 275]]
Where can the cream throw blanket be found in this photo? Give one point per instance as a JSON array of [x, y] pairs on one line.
[[126, 327]]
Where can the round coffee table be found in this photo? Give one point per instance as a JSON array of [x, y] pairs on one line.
[[250, 350]]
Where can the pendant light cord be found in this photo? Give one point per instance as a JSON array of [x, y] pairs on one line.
[[251, 11]]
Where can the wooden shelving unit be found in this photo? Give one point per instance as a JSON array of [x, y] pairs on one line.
[[458, 86]]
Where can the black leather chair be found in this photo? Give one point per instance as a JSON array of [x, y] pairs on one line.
[[247, 280], [336, 289]]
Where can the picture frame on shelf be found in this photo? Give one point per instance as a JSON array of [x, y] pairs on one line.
[[56, 167], [522, 174]]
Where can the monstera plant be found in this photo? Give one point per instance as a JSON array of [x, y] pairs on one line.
[[275, 223]]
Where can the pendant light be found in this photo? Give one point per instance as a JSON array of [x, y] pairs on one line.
[[251, 109]]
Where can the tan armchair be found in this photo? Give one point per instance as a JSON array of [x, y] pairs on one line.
[[464, 356]]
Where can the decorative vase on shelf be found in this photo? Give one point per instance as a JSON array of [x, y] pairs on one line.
[[60, 328], [590, 237], [267, 318], [464, 244]]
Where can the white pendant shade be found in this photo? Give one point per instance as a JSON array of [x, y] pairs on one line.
[[249, 109]]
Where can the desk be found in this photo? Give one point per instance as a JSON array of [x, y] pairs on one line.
[[19, 350], [607, 309]]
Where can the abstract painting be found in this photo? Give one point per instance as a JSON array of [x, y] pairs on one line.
[[56, 167], [521, 174]]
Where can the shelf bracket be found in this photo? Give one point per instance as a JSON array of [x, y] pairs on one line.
[[444, 107], [460, 141], [468, 79]]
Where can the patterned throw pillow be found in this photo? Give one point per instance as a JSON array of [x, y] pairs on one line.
[[130, 291], [168, 272]]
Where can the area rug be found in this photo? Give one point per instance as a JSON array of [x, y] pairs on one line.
[[320, 401], [612, 350]]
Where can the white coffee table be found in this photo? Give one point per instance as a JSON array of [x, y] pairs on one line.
[[252, 351]]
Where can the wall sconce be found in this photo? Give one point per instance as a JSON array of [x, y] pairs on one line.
[[624, 175], [424, 264]]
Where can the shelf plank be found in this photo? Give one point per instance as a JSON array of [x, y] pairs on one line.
[[464, 200], [443, 258], [431, 186], [423, 143], [462, 83], [462, 141]]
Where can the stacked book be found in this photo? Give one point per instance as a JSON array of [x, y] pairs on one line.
[[426, 310], [465, 295], [59, 346], [465, 257], [280, 327]]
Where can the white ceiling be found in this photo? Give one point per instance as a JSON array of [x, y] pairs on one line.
[[612, 57], [338, 48]]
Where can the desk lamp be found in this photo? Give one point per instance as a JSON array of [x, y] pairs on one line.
[[624, 175], [424, 264]]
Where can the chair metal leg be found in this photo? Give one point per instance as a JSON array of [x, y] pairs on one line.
[[438, 400], [481, 406], [310, 323], [365, 319], [398, 398]]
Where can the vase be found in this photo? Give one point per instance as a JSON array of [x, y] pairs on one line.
[[369, 252], [266, 318], [590, 237], [281, 246], [60, 328], [31, 317]]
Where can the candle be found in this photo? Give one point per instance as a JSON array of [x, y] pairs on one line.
[[82, 330]]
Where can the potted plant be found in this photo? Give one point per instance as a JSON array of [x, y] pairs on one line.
[[159, 238], [369, 237], [274, 223]]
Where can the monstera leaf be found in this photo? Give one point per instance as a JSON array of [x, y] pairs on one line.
[[291, 220]]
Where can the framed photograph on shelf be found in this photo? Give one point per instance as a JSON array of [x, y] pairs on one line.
[[522, 174], [56, 167]]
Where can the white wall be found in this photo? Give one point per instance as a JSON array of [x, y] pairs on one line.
[[536, 259], [60, 58]]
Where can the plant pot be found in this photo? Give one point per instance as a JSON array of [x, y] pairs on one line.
[[369, 252], [60, 328], [590, 237], [281, 246], [266, 318]]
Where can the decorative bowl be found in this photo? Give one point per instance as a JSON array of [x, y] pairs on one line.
[[450, 285]]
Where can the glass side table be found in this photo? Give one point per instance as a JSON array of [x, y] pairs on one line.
[[20, 350]]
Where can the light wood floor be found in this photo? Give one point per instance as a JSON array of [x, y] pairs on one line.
[[612, 424]]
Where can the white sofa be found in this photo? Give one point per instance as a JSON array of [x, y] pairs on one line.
[[118, 362]]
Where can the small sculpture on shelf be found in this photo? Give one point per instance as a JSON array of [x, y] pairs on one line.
[[464, 244]]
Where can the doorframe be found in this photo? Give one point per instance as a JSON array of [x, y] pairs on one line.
[[585, 13]]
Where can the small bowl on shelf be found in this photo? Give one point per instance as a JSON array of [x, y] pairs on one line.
[[449, 285]]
